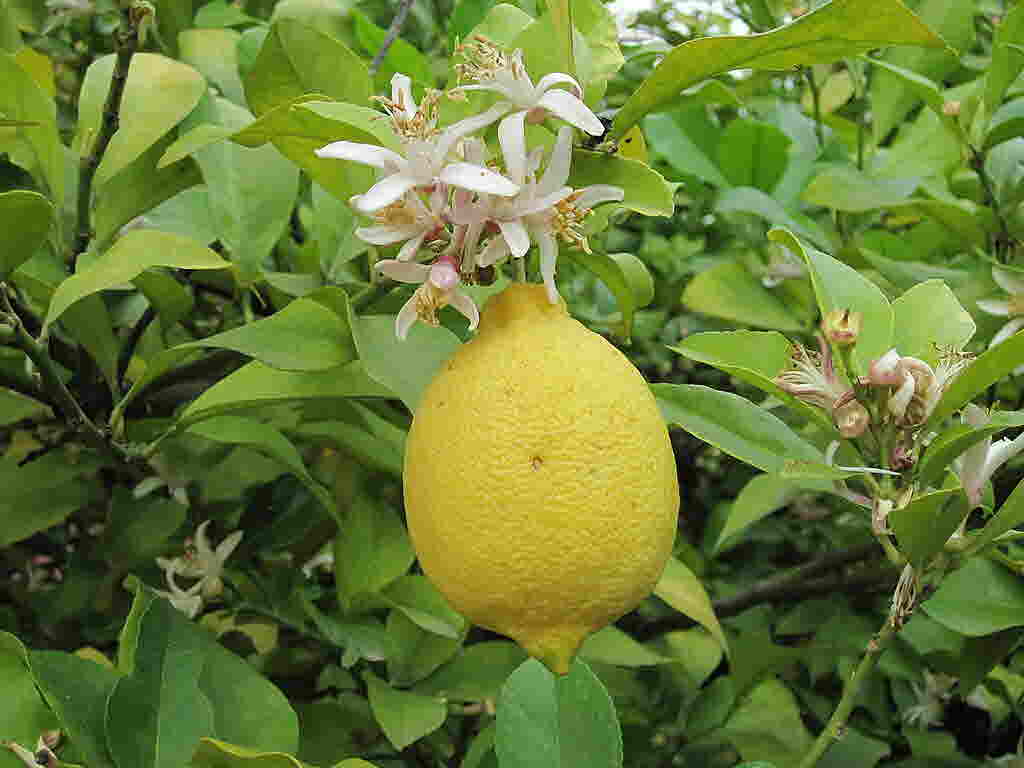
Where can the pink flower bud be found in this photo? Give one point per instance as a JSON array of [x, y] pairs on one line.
[[852, 419]]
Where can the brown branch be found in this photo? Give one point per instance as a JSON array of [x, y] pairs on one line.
[[393, 32]]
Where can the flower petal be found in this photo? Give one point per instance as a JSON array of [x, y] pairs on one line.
[[1011, 282], [552, 79], [408, 251], [566, 106], [367, 154], [385, 192], [403, 271], [405, 318], [1000, 307], [543, 203], [1007, 331], [548, 259], [401, 93], [596, 194], [495, 251], [456, 131], [467, 307], [557, 172], [385, 234], [516, 236], [478, 179], [512, 137]]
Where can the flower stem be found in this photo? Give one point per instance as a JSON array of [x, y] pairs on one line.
[[397, 22], [521, 269], [836, 725]]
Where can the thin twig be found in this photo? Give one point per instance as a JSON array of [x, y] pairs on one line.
[[125, 358], [819, 130], [393, 32], [126, 43]]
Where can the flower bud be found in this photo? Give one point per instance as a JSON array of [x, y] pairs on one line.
[[852, 419], [951, 108], [885, 371], [842, 326]]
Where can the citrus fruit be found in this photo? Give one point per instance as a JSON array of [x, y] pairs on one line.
[[540, 485]]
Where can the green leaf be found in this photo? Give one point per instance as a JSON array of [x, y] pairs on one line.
[[979, 599], [680, 588], [671, 142], [549, 722], [212, 753], [77, 690], [157, 713], [625, 276], [193, 140], [404, 716], [728, 290], [951, 443], [24, 715], [418, 653], [923, 89], [267, 440], [1007, 123], [43, 492], [34, 144], [613, 646], [477, 673], [25, 220], [767, 725], [560, 12], [372, 441], [844, 188], [839, 286], [1007, 58], [295, 60], [733, 424], [139, 529], [925, 524], [646, 191], [756, 202], [927, 319], [1009, 515], [214, 53], [219, 14], [159, 93], [696, 651], [417, 598], [755, 357], [401, 56], [988, 368], [760, 497], [136, 251], [832, 31], [752, 153], [251, 190]]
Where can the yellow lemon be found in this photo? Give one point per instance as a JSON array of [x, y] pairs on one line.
[[540, 485]]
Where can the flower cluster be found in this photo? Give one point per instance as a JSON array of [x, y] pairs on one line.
[[1011, 307], [202, 563], [457, 216]]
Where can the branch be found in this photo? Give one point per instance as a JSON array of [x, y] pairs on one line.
[[393, 32], [126, 43], [125, 358]]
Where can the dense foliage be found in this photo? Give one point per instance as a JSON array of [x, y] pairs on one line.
[[809, 244]]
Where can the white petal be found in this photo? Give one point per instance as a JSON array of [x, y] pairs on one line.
[[1007, 331], [557, 172], [405, 318], [548, 259], [566, 106], [367, 154], [467, 307], [512, 137], [552, 79], [474, 151], [478, 179], [496, 250], [228, 545], [401, 93], [599, 193], [408, 251], [1011, 282], [516, 236], [543, 203], [456, 131], [403, 271], [493, 86], [385, 192], [1000, 307], [385, 234]]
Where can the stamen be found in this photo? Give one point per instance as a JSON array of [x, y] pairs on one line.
[[423, 123], [567, 221], [483, 59]]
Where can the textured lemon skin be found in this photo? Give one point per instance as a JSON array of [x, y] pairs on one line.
[[540, 485]]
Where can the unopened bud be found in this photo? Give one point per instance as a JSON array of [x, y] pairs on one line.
[[885, 371], [842, 326], [797, 12], [951, 108], [852, 419]]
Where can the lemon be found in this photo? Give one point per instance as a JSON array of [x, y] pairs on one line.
[[540, 485]]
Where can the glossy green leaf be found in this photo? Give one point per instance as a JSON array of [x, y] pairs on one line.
[[924, 525], [24, 714], [1007, 123], [157, 713], [1007, 60], [923, 89], [77, 690], [23, 101], [25, 218], [212, 753], [556, 722], [951, 443], [139, 529], [980, 598], [477, 673], [760, 497], [1009, 515], [560, 12], [373, 442], [159, 93], [401, 56], [766, 725], [961, 218], [193, 140], [839, 286], [695, 650], [752, 153], [680, 588], [830, 32], [728, 290], [733, 424], [418, 652], [295, 60], [267, 440], [371, 550], [844, 188], [927, 319], [404, 716], [420, 601], [136, 251], [668, 139], [214, 53], [988, 368], [613, 646], [646, 191], [756, 202], [625, 276]]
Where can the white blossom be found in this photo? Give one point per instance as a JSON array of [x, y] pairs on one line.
[[1011, 307], [979, 463], [440, 286]]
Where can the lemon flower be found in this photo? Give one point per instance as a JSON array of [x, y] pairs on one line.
[[425, 151], [202, 562], [981, 460], [541, 211], [409, 220], [494, 70], [440, 286], [1011, 307]]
